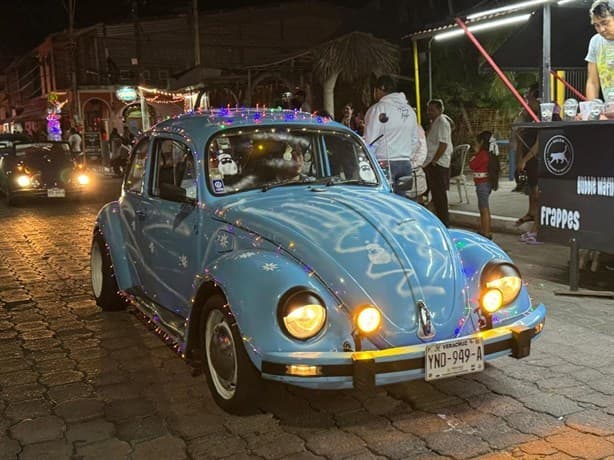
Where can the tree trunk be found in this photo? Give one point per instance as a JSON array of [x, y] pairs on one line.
[[329, 93]]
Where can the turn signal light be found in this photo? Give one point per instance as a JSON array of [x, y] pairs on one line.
[[368, 320]]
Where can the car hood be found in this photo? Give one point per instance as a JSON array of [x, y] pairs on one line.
[[368, 247]]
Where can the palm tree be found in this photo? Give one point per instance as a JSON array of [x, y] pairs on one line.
[[352, 57]]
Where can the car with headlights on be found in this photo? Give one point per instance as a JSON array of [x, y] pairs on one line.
[[266, 244], [41, 170]]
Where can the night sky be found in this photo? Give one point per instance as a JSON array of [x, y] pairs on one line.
[[25, 23]]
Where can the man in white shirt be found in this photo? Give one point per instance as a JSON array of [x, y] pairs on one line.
[[75, 141], [600, 56], [439, 153], [392, 127]]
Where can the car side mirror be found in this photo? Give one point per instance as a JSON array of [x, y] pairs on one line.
[[173, 192]]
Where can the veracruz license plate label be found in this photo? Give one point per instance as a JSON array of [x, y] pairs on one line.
[[56, 193], [454, 357]]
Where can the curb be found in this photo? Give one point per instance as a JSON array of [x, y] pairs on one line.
[[498, 224]]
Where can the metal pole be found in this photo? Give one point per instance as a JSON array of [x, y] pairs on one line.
[[196, 33], [497, 69], [144, 110], [546, 61], [574, 268], [417, 81], [73, 61], [430, 70]]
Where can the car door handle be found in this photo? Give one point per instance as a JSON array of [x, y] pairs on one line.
[[140, 213]]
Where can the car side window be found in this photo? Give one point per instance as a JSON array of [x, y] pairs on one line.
[[136, 173], [174, 166]]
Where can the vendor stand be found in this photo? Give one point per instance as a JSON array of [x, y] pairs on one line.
[[576, 185]]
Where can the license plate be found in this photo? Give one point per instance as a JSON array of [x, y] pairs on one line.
[[56, 193], [454, 357]]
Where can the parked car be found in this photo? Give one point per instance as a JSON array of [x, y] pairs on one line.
[[268, 244], [41, 169]]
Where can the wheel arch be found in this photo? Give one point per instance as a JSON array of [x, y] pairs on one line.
[[108, 225]]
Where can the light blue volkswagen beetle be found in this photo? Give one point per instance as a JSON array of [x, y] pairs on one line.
[[267, 244]]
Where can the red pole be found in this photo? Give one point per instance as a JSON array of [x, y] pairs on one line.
[[497, 69], [568, 86]]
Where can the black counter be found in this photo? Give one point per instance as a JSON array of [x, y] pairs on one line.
[[576, 182]]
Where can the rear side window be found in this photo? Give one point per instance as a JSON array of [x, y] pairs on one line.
[[136, 172], [173, 166]]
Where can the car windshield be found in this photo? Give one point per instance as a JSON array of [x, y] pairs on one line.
[[39, 149], [264, 158]]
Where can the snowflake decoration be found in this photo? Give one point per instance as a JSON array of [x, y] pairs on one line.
[[183, 261], [222, 239], [247, 255], [151, 247], [270, 267]]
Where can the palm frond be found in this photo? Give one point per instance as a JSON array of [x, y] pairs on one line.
[[355, 56]]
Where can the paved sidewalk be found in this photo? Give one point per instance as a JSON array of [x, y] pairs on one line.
[[505, 207]]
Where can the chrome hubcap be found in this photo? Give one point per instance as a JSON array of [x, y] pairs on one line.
[[221, 354], [96, 269]]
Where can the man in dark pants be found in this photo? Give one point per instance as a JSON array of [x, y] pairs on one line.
[[439, 153]]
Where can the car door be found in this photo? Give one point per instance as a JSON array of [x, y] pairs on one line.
[[172, 237], [135, 208]]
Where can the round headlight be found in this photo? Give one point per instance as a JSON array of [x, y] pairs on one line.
[[83, 179], [303, 315], [368, 320], [24, 181], [504, 277]]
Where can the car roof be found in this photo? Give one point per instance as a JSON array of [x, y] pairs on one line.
[[200, 125]]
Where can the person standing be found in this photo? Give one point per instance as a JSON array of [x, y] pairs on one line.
[[600, 56], [351, 119], [75, 141], [439, 154], [483, 185], [391, 126]]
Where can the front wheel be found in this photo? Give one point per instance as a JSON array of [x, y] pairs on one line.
[[231, 376], [104, 284]]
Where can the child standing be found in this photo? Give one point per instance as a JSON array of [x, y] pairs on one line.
[[479, 166]]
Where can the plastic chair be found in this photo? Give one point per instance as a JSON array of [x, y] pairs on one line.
[[459, 157]]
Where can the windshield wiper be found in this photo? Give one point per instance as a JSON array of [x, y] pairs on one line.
[[348, 182], [283, 183]]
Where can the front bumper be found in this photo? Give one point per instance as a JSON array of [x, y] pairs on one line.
[[366, 369], [44, 192]]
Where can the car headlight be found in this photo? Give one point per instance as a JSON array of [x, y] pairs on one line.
[[302, 314], [368, 319], [24, 181], [501, 284], [83, 179]]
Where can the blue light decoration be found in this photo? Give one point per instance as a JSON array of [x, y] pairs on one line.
[[54, 130]]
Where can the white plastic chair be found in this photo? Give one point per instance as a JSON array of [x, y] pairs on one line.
[[460, 180]]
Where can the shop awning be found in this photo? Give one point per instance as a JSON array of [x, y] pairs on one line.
[[33, 110], [571, 32]]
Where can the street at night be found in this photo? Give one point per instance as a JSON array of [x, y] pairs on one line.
[[307, 230], [76, 382]]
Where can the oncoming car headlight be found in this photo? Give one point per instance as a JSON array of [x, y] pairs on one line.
[[83, 179], [501, 284], [24, 181], [301, 314]]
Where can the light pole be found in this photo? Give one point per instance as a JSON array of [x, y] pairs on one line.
[[70, 6]]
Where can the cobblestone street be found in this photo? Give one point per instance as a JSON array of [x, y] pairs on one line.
[[79, 383]]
